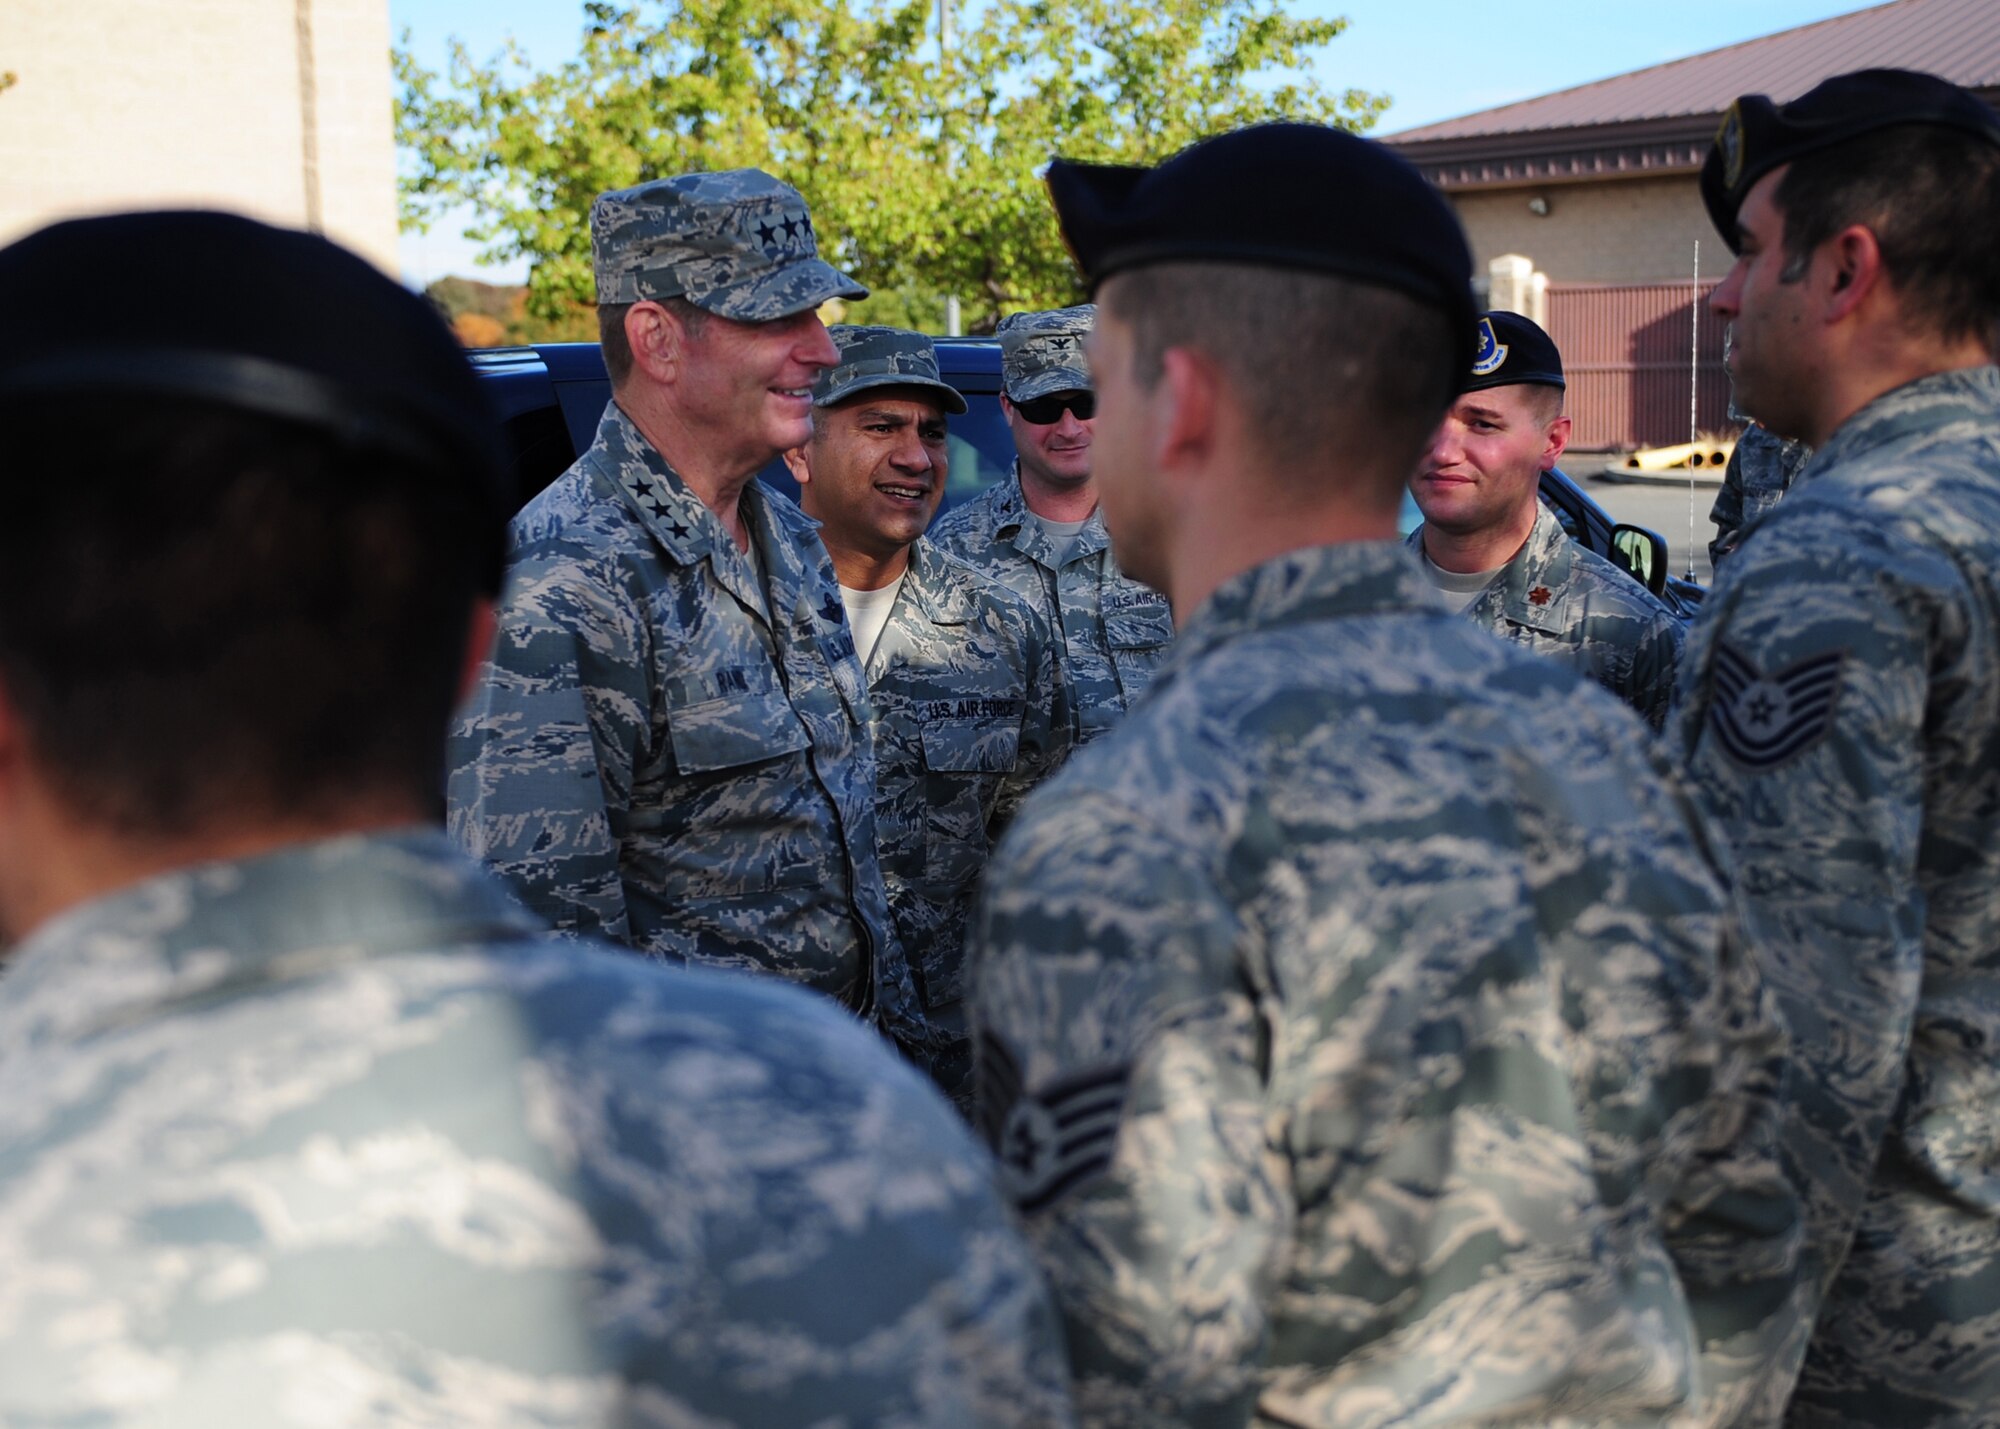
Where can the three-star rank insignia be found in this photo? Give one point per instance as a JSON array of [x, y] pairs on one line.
[[1054, 1138], [1492, 352], [782, 232], [1761, 720], [1539, 595]]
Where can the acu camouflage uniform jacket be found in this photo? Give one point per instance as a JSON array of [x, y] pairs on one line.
[[1358, 1039], [1839, 720], [970, 715], [1113, 631], [1561, 600], [650, 759], [1762, 468], [338, 1135]]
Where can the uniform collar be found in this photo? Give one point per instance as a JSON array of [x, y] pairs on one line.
[[687, 530], [1011, 524], [1531, 589], [1922, 406], [654, 492], [936, 587], [1355, 578], [278, 916]]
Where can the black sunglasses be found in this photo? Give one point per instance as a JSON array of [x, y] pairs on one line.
[[1047, 411]]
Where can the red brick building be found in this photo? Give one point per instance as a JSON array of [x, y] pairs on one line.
[[1596, 187]]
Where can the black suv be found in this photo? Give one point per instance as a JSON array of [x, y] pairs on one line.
[[549, 399]]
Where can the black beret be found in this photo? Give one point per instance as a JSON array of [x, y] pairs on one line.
[[224, 309], [1757, 136], [1512, 351], [1300, 196]]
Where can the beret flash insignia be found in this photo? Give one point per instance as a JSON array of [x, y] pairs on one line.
[[1729, 139], [1492, 352]]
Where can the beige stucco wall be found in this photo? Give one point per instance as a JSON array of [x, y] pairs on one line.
[[276, 108], [1616, 231]]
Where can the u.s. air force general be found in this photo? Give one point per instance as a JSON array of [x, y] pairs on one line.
[[670, 747]]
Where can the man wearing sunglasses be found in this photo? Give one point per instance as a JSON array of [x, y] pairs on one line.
[[1040, 531]]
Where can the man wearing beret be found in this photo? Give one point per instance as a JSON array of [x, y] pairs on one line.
[[969, 713], [302, 1120], [1356, 1030], [1497, 553], [1838, 714], [1040, 532], [670, 747]]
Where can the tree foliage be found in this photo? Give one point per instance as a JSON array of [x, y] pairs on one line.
[[922, 171]]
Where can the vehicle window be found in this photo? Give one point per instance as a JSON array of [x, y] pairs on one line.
[[981, 447], [1409, 517], [1570, 520]]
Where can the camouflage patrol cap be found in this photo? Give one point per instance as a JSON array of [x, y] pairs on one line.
[[883, 357], [1758, 136], [1042, 353], [737, 243]]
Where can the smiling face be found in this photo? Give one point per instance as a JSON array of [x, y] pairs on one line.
[[1056, 457], [874, 472], [1484, 464], [745, 389]]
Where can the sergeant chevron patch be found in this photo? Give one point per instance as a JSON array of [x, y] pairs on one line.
[[1763, 720], [1051, 1140]]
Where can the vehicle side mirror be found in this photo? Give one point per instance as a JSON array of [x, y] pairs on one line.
[[1643, 554]]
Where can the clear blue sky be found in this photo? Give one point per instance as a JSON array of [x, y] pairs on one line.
[[1435, 58]]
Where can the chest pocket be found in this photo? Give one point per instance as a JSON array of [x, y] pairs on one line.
[[726, 731], [964, 762], [971, 746], [1146, 625]]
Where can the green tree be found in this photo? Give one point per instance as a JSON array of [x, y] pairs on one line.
[[923, 171]]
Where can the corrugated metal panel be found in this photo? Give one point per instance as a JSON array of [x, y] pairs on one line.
[[1958, 39], [1626, 351]]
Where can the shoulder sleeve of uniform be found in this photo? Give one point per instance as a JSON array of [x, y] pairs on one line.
[[804, 1162], [1800, 727], [1047, 718], [542, 757], [1121, 1085], [961, 530], [1726, 515], [1656, 661]]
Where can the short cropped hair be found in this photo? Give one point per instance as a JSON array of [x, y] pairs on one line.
[[1326, 364], [216, 616], [618, 349], [1546, 400], [1931, 196]]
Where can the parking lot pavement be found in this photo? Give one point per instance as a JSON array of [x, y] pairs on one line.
[[1656, 505]]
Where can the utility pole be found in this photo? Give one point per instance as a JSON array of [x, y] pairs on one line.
[[951, 322]]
